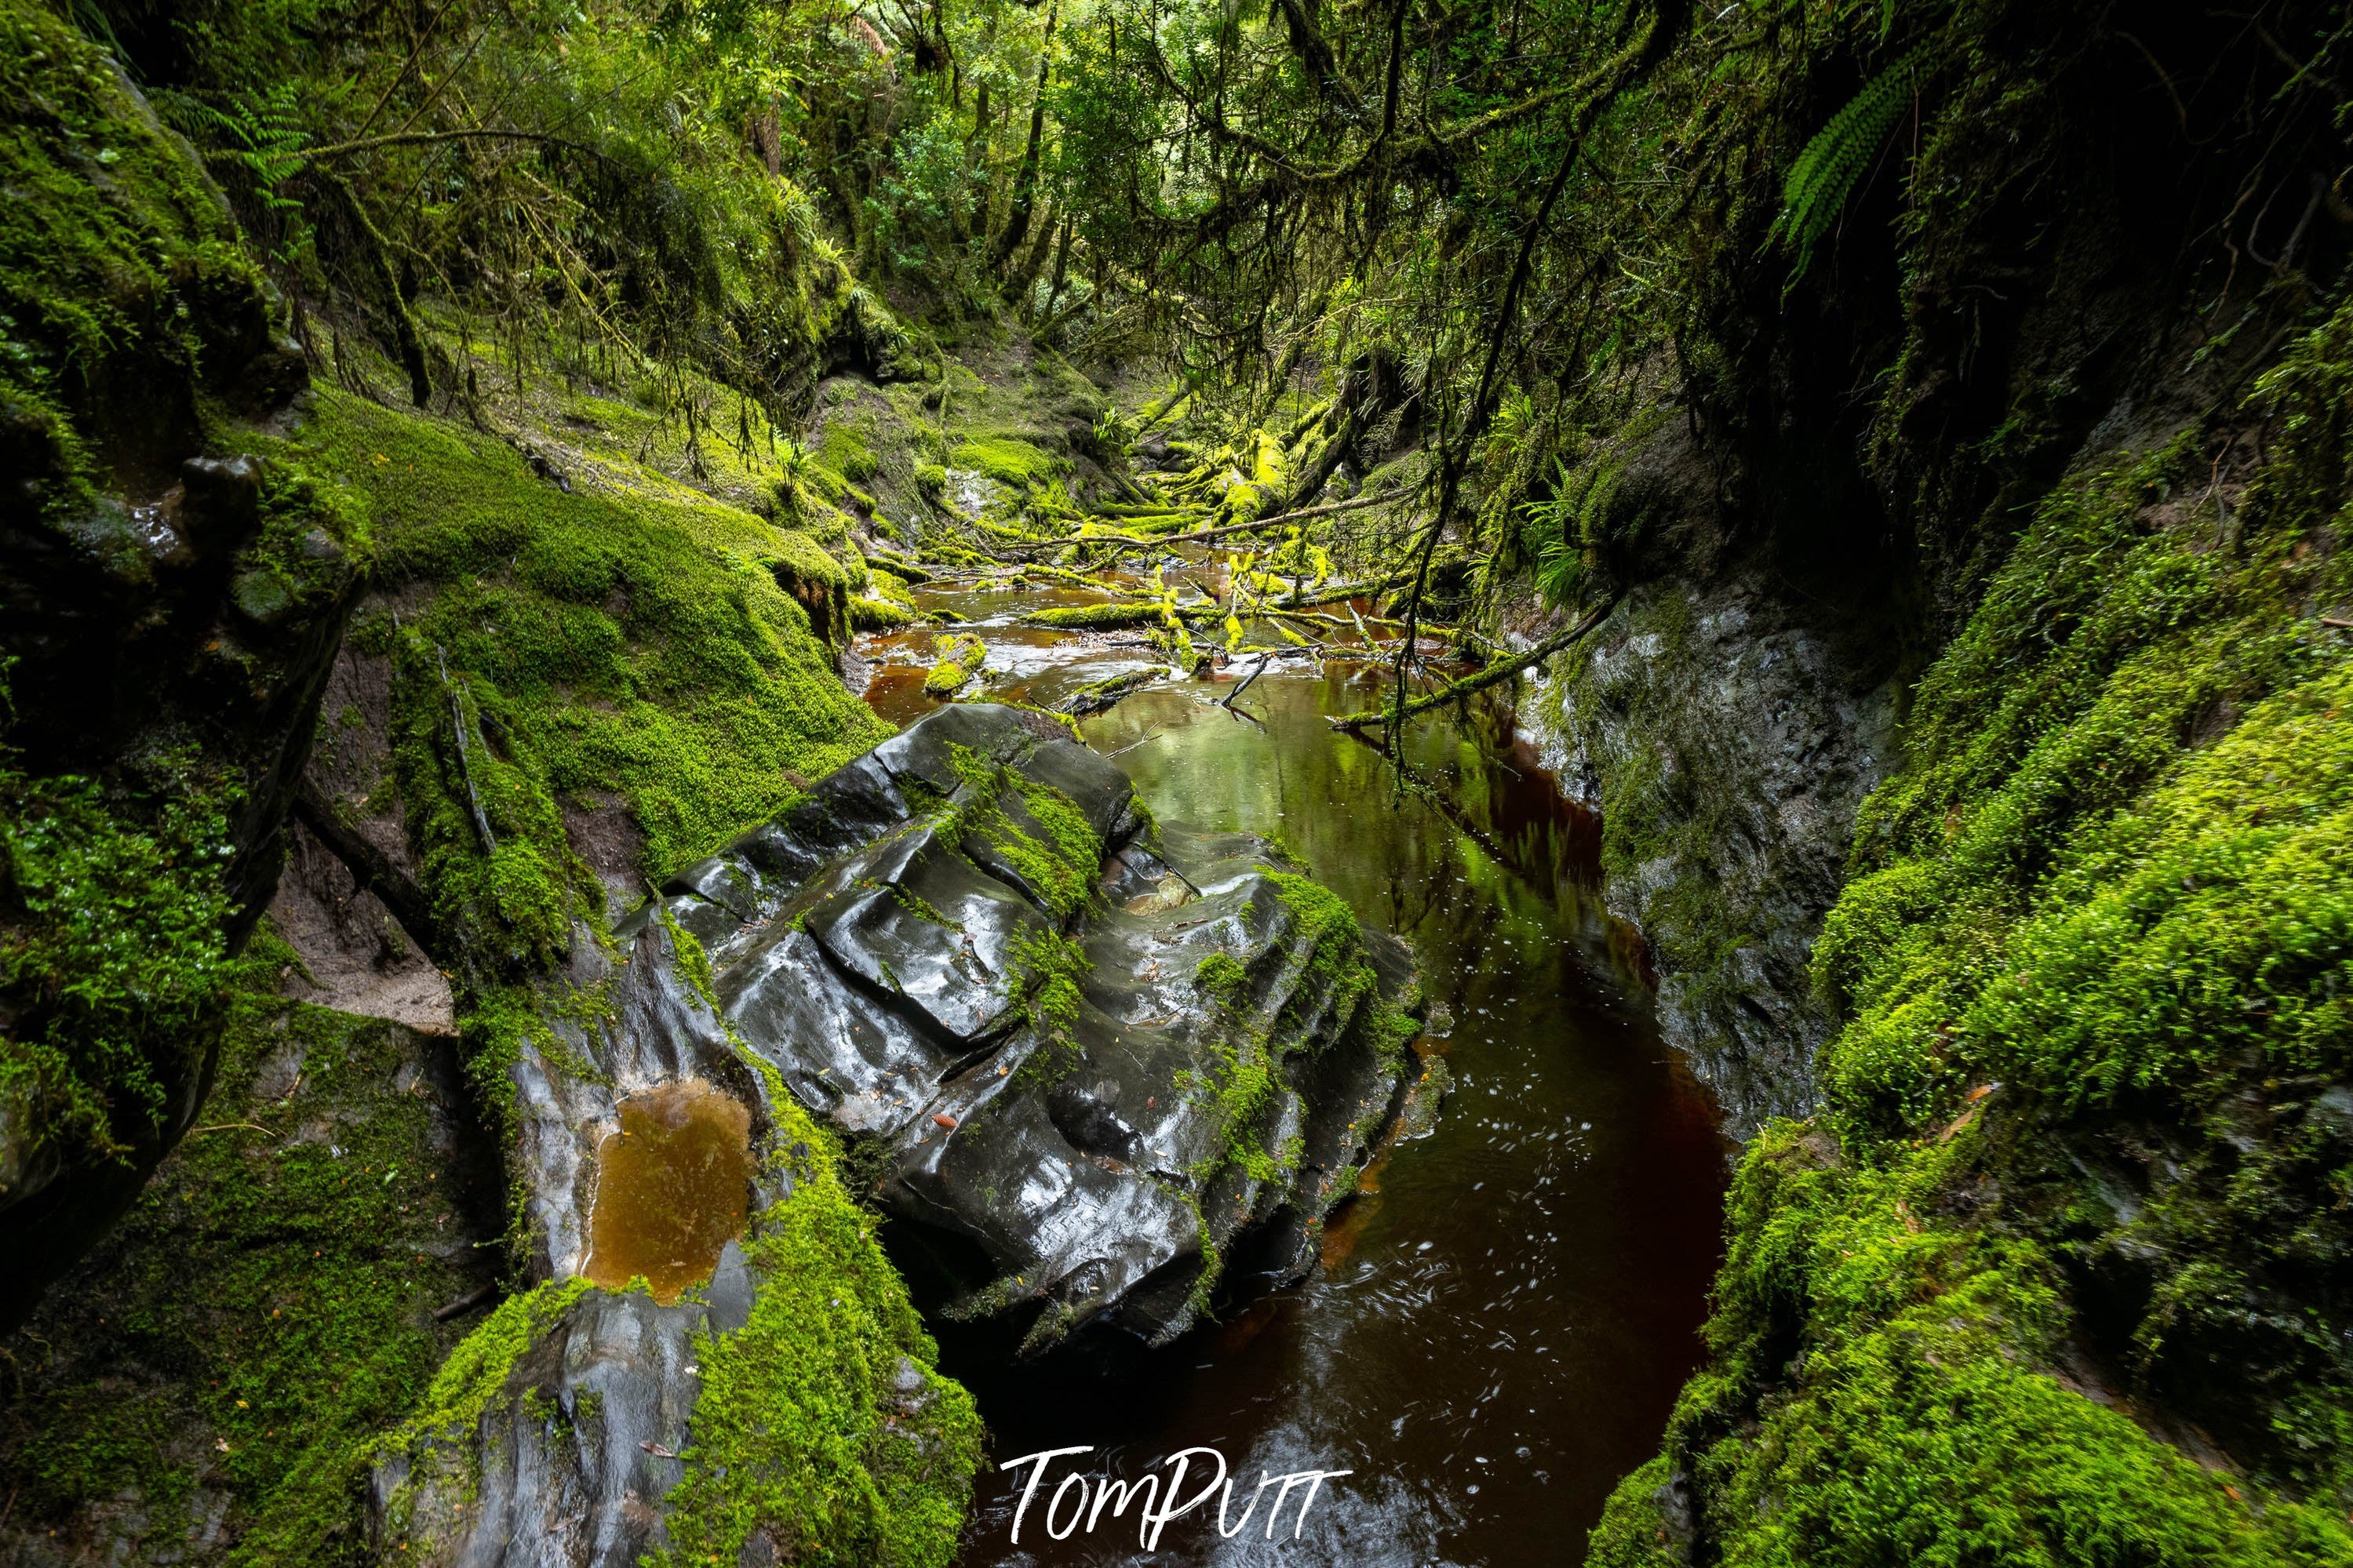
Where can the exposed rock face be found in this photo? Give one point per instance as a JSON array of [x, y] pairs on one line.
[[357, 956], [1726, 737], [1080, 1055], [1085, 1123]]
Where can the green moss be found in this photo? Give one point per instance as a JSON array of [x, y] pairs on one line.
[[845, 451], [799, 1431], [476, 1372], [1008, 459], [1338, 977], [881, 616], [263, 1312], [114, 968], [1919, 1429], [1241, 1084], [1049, 967], [1096, 617], [622, 641], [121, 281], [1055, 852], [2092, 962], [960, 658], [1222, 977]]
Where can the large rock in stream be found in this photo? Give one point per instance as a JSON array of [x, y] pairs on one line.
[[1082, 1058]]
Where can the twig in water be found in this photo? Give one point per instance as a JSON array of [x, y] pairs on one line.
[[1133, 744], [1235, 695]]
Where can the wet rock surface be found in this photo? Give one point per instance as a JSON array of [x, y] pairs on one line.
[[1079, 1057], [1010, 1019], [1727, 740]]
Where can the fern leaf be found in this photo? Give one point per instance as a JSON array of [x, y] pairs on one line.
[[1835, 162]]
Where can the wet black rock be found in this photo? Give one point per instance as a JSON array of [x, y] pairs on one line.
[[1079, 1057], [1078, 1054]]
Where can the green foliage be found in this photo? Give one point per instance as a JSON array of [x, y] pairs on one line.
[[122, 283], [114, 969], [1832, 165]]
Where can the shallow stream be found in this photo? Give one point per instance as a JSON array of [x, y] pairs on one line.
[[1502, 1319]]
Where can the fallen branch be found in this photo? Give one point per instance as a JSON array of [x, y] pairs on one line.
[[1131, 542], [465, 769], [1495, 674], [372, 870], [427, 137], [464, 1304]]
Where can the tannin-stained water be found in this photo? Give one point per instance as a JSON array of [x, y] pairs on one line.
[[673, 1183], [1501, 1322]]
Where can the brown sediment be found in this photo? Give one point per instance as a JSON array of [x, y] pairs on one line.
[[672, 1188]]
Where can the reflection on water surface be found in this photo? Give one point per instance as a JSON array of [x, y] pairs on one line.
[[1503, 1319]]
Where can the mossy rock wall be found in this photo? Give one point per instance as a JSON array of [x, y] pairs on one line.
[[2056, 1273], [168, 610]]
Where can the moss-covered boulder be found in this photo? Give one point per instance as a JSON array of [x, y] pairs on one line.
[[1085, 1055], [1077, 1054]]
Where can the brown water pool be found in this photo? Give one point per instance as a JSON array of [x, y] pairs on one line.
[[672, 1186]]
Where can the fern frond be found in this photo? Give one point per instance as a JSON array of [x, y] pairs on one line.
[[1826, 172]]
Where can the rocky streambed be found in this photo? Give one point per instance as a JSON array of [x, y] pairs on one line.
[[1077, 1054], [1494, 1329]]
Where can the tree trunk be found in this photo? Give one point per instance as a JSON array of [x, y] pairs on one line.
[[1025, 182]]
